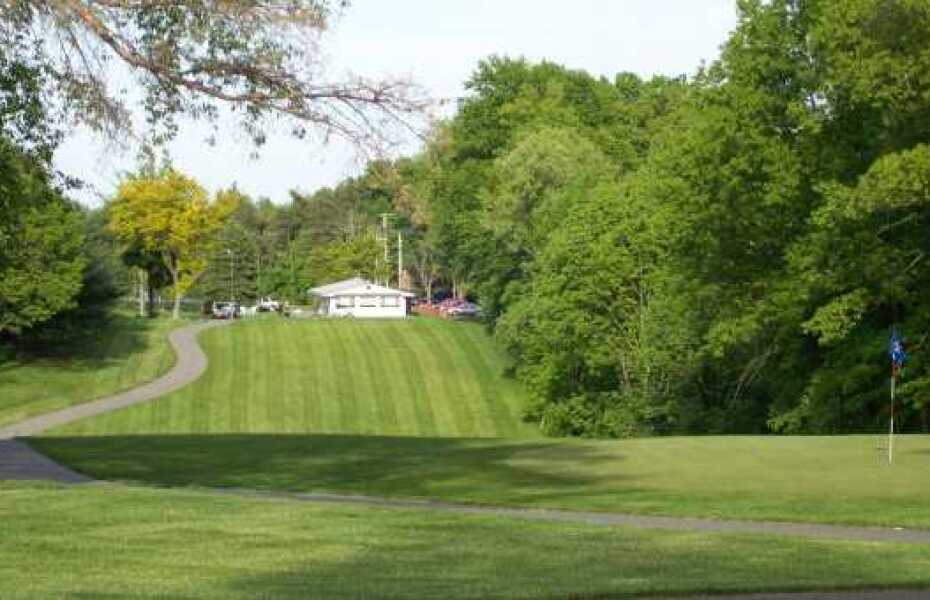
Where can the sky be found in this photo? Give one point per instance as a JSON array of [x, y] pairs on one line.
[[437, 44]]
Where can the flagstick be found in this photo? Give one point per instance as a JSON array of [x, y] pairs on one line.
[[891, 423]]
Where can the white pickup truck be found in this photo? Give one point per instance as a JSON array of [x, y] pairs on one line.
[[268, 305]]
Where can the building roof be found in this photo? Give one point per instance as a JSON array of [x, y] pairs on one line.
[[356, 287]]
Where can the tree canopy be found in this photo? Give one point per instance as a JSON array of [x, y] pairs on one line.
[[720, 254], [41, 237], [170, 216]]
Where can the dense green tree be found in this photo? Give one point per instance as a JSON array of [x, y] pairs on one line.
[[41, 234], [171, 216], [232, 266], [734, 260], [359, 256]]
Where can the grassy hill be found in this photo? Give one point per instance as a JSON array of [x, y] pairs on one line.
[[406, 409], [419, 377], [118, 354]]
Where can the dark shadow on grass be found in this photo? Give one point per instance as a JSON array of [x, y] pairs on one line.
[[408, 554], [477, 470], [95, 344]]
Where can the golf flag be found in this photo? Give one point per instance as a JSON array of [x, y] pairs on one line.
[[898, 358], [896, 351]]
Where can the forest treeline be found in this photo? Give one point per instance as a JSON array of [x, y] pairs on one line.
[[720, 253]]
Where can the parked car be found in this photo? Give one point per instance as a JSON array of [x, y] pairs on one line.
[[465, 309], [453, 307], [225, 310]]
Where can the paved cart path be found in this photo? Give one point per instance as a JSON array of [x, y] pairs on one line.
[[806, 530], [190, 365], [19, 461]]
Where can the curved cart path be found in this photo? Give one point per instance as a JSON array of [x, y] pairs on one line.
[[19, 461], [190, 364]]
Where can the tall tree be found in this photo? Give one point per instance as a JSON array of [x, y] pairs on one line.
[[170, 215], [41, 234]]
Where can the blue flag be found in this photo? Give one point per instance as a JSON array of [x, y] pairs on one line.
[[896, 350]]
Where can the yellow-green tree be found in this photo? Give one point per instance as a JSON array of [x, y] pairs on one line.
[[171, 216]]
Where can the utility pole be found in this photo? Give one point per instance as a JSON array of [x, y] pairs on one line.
[[232, 274], [400, 257], [384, 237]]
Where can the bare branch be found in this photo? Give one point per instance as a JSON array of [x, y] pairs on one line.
[[191, 56]]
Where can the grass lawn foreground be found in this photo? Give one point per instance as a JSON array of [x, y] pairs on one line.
[[112, 541]]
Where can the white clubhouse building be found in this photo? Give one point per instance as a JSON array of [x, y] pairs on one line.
[[361, 298]]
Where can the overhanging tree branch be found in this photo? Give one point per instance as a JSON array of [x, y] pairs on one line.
[[260, 57]]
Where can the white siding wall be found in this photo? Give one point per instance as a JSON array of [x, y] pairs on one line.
[[368, 312]]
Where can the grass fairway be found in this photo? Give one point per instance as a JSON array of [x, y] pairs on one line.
[[339, 406], [125, 353], [118, 542], [813, 479], [419, 377]]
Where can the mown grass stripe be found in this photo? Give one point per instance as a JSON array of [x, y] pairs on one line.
[[452, 386], [288, 402], [420, 419], [303, 403], [274, 350], [328, 383], [366, 418], [415, 377], [482, 424], [507, 401], [380, 393], [310, 370], [494, 421], [247, 393], [433, 395], [341, 361], [400, 364], [321, 374]]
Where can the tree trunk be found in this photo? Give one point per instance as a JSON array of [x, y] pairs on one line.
[[176, 284], [141, 292], [150, 293]]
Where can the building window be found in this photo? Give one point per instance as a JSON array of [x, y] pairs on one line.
[[344, 302], [389, 301], [368, 301]]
